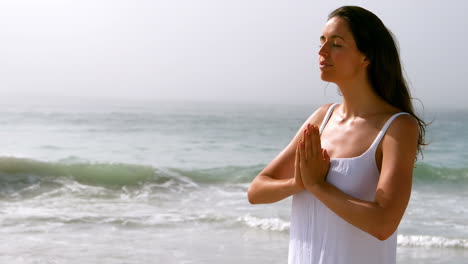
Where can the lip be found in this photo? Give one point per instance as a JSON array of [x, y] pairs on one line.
[[324, 65]]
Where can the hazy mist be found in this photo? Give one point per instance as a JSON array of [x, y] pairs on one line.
[[256, 50]]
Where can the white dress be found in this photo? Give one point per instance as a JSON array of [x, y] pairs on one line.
[[319, 236]]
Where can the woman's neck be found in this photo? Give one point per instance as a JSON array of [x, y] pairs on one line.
[[359, 100]]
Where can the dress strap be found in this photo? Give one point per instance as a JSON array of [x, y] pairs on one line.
[[385, 128], [327, 117]]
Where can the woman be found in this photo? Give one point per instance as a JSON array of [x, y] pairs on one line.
[[349, 168]]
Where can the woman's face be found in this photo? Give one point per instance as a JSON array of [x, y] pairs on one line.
[[339, 59]]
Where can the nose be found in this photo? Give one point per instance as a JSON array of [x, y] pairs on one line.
[[323, 50]]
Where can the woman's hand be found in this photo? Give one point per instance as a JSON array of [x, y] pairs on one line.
[[313, 161], [297, 171]]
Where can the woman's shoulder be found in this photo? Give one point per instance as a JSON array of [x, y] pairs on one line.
[[323, 109], [319, 114], [402, 119], [403, 129], [403, 123]]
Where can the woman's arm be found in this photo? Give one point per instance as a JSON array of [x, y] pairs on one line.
[[276, 181], [381, 217]]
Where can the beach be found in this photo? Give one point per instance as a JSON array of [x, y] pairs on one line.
[[115, 181]]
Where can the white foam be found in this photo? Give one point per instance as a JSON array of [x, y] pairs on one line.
[[431, 242], [276, 224], [272, 224]]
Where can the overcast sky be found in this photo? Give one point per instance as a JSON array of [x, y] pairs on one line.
[[236, 50]]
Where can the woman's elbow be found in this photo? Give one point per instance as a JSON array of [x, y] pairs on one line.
[[384, 232], [383, 236], [251, 195]]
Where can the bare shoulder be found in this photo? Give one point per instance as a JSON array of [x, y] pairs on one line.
[[317, 117], [404, 126], [402, 137]]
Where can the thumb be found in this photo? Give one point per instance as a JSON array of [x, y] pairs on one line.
[[325, 155], [326, 159]]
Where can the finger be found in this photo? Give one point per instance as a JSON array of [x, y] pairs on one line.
[[297, 150], [305, 142], [325, 155], [318, 144], [297, 160], [301, 152], [319, 141], [326, 159], [313, 142], [307, 145]]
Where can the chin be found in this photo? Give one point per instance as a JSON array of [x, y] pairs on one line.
[[326, 77]]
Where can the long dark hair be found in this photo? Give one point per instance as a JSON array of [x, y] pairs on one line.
[[384, 71]]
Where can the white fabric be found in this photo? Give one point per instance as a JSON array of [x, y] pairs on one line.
[[319, 236]]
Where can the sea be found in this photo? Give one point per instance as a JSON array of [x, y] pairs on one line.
[[138, 181]]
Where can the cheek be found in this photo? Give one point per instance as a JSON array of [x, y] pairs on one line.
[[347, 62]]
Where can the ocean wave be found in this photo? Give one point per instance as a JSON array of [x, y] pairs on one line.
[[228, 174], [431, 242], [27, 177], [38, 218], [88, 173], [120, 174], [426, 172], [276, 224], [26, 172], [270, 224]]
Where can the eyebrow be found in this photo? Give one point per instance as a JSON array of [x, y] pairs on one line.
[[332, 37]]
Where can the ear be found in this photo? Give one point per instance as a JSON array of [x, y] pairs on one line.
[[365, 61]]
